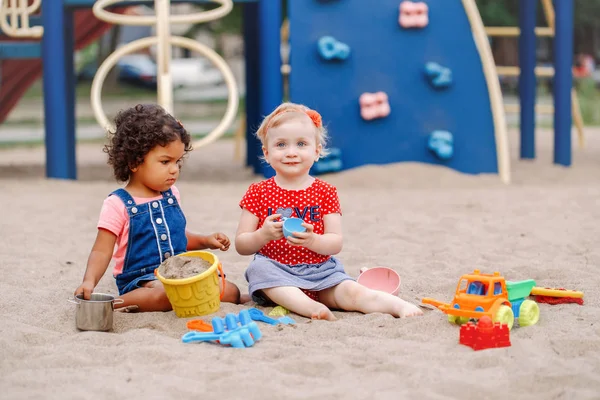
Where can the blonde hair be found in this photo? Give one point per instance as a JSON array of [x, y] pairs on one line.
[[288, 111]]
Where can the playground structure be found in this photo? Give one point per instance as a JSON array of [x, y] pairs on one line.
[[422, 86], [526, 56], [163, 39]]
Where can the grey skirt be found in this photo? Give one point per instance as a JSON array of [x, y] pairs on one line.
[[264, 273]]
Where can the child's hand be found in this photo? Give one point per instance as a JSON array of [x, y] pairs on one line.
[[86, 288], [218, 241], [304, 239], [272, 229]]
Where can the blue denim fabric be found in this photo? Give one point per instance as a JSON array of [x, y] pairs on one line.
[[156, 232]]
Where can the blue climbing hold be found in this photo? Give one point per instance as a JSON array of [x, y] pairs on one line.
[[332, 162], [330, 48], [438, 76], [441, 143]]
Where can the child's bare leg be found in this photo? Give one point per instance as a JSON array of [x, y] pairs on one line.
[[352, 296], [151, 297], [295, 300], [232, 292]]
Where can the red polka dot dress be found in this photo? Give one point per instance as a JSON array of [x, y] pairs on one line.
[[279, 263], [311, 204]]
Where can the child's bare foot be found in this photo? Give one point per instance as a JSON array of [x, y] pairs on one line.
[[407, 309], [324, 313]]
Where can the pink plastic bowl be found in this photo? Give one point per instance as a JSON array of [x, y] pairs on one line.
[[380, 278]]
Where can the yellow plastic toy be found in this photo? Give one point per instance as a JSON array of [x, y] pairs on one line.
[[279, 311], [197, 295], [540, 291]]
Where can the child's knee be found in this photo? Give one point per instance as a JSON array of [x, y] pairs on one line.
[[160, 299], [231, 293], [354, 291]]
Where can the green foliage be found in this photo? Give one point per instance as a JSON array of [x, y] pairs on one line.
[[587, 13], [589, 101], [499, 12], [506, 13]]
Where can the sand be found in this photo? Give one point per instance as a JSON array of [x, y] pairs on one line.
[[430, 224], [182, 267]]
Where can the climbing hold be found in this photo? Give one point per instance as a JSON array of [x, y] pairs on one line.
[[413, 14], [438, 76], [441, 143], [374, 105], [330, 48], [332, 162]]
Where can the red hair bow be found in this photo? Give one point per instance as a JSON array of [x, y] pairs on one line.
[[315, 117]]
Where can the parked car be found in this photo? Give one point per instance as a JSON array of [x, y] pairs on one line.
[[141, 70], [137, 69], [194, 72]]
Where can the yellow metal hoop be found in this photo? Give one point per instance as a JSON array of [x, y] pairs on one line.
[[19, 10], [120, 19], [111, 61]]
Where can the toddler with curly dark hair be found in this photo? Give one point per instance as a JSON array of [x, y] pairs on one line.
[[142, 224]]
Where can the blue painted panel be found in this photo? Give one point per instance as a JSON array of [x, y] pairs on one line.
[[386, 57], [20, 50], [125, 3]]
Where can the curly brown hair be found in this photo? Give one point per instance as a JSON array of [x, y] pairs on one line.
[[138, 130]]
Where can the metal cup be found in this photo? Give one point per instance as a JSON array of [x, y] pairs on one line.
[[95, 314]]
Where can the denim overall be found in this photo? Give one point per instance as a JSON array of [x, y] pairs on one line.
[[156, 232]]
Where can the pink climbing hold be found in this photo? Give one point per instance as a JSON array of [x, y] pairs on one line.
[[374, 105], [413, 14]]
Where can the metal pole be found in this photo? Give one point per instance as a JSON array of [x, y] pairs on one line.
[[253, 116], [163, 54], [271, 81], [59, 118], [527, 78], [563, 81]]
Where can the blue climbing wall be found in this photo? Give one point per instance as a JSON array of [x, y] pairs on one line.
[[386, 57]]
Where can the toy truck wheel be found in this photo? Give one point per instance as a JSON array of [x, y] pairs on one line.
[[454, 319], [505, 315], [529, 313]]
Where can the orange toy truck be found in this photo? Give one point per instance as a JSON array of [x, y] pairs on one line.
[[480, 294]]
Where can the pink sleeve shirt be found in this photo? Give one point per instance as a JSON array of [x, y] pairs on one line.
[[114, 218]]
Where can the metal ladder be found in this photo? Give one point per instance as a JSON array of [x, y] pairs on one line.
[[513, 31]]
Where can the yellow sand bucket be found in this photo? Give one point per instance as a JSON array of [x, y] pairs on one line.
[[196, 295]]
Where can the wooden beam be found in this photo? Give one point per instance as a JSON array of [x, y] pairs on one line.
[[515, 31], [539, 108], [515, 71]]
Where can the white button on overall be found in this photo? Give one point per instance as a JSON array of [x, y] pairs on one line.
[[167, 254], [159, 221], [170, 201], [134, 210], [155, 205], [163, 237]]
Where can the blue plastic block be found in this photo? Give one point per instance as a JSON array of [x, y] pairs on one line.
[[236, 331], [331, 49], [438, 76], [441, 144], [516, 307], [286, 320]]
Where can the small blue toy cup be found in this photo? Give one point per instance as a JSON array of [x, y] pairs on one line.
[[291, 225]]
